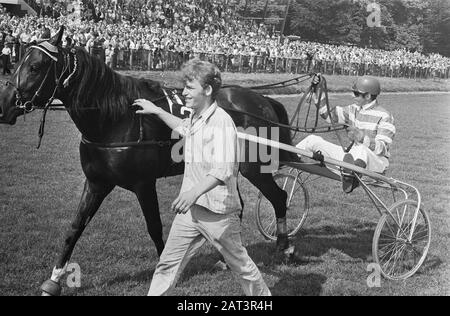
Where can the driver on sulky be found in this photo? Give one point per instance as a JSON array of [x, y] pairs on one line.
[[371, 129]]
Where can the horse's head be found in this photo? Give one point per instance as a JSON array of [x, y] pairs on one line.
[[34, 81]]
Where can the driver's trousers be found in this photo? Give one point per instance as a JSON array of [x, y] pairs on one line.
[[374, 163]]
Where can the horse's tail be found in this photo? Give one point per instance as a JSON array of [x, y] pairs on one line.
[[285, 133]]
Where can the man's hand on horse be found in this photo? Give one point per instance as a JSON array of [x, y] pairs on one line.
[[184, 202], [356, 135], [147, 107]]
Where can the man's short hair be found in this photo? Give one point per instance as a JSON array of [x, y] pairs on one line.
[[205, 72]]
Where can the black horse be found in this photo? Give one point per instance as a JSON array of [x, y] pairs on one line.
[[98, 101]]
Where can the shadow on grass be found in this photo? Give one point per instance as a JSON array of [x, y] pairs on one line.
[[142, 277], [298, 284], [354, 240], [290, 283], [432, 262]]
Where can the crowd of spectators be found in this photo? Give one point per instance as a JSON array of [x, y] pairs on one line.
[[189, 28]]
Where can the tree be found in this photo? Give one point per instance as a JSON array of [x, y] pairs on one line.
[[417, 25], [437, 27]]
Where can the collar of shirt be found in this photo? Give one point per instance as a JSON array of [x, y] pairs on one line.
[[198, 123], [369, 106]]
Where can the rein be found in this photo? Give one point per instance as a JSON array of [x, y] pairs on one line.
[[282, 84], [309, 130]]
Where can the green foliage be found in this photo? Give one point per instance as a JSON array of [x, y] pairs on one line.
[[417, 25]]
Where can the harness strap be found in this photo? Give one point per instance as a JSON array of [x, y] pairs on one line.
[[324, 129], [159, 143]]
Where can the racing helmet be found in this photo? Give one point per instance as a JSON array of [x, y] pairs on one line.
[[367, 85]]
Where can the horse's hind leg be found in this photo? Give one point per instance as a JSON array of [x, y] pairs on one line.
[[92, 198], [277, 197], [148, 200]]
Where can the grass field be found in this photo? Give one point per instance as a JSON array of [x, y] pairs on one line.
[[40, 189]]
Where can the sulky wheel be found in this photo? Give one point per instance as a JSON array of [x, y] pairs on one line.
[[297, 207], [398, 256]]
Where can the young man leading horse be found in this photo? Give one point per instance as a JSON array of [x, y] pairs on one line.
[[208, 206]]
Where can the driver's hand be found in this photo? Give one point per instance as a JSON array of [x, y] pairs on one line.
[[356, 135]]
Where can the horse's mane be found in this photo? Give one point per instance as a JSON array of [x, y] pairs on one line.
[[95, 85]]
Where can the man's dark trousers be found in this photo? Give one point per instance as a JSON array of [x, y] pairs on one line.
[[5, 61]]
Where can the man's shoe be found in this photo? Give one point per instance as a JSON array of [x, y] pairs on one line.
[[362, 165], [349, 181], [220, 266]]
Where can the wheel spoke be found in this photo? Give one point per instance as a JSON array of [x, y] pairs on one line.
[[385, 265], [387, 237], [384, 246], [416, 234], [417, 240], [401, 262], [387, 253], [270, 227], [396, 257]]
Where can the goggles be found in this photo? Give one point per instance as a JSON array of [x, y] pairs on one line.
[[358, 94]]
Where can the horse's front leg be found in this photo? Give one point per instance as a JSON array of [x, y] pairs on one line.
[[92, 198]]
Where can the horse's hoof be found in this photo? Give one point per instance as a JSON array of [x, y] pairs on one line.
[[282, 242], [51, 288], [288, 252]]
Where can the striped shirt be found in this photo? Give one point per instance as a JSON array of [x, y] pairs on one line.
[[376, 122], [211, 149]]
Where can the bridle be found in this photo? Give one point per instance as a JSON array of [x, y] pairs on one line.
[[21, 104], [29, 106]]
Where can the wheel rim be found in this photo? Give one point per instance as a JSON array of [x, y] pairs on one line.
[[398, 256], [298, 208]]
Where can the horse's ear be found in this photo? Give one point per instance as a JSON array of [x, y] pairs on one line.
[[57, 39]]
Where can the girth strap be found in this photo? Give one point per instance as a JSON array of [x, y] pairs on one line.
[[158, 143]]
